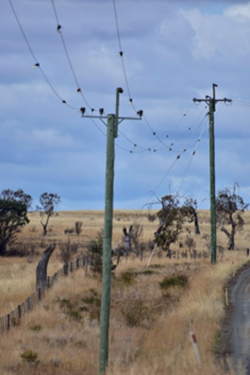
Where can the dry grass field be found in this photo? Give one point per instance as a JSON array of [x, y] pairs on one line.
[[150, 321]]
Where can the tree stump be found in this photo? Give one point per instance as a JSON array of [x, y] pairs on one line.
[[41, 269]]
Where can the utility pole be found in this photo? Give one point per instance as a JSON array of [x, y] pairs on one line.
[[112, 132], [211, 102]]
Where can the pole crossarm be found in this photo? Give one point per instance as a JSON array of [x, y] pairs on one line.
[[119, 118], [208, 98]]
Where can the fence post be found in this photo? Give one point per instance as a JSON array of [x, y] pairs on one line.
[[65, 269], [77, 263], [8, 322], [39, 294], [29, 303], [19, 310]]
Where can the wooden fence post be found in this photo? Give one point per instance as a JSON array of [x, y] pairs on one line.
[[65, 269], [8, 322], [29, 303], [39, 294], [19, 311]]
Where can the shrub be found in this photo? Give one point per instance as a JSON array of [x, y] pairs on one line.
[[66, 251], [15, 322], [36, 327], [93, 301], [76, 315], [135, 313], [174, 281], [30, 357], [151, 217], [190, 243], [65, 303], [127, 277], [95, 252]]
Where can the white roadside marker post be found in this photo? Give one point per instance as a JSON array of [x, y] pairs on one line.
[[226, 296], [195, 346]]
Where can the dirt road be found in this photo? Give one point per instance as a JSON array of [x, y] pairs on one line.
[[235, 341]]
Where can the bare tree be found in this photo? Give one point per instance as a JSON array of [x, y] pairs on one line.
[[190, 243], [137, 234], [190, 208], [229, 209], [48, 203], [67, 250]]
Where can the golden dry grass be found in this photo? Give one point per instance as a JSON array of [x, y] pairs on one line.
[[149, 328]]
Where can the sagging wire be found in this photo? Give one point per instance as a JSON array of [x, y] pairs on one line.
[[140, 112], [239, 103], [59, 30], [121, 54], [37, 64], [192, 156], [177, 158]]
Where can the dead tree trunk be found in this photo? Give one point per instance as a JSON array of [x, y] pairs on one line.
[[196, 223], [231, 243], [41, 269]]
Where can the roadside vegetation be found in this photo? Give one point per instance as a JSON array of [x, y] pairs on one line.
[[153, 308]]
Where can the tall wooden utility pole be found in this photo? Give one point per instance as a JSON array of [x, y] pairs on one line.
[[211, 102], [112, 132]]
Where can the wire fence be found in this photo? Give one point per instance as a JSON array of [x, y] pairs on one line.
[[14, 317]]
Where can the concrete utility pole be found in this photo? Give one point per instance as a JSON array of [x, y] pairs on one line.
[[112, 132], [211, 102]]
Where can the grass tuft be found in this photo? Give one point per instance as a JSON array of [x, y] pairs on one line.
[[174, 281], [30, 357]]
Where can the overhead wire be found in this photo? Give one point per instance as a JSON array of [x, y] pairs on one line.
[[121, 54], [59, 30], [192, 156], [239, 103], [37, 64], [172, 165], [154, 133]]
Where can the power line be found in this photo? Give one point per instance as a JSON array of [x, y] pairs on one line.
[[59, 30], [192, 156], [121, 53], [172, 165], [239, 103], [37, 64]]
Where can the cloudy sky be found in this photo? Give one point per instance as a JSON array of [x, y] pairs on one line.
[[173, 51]]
